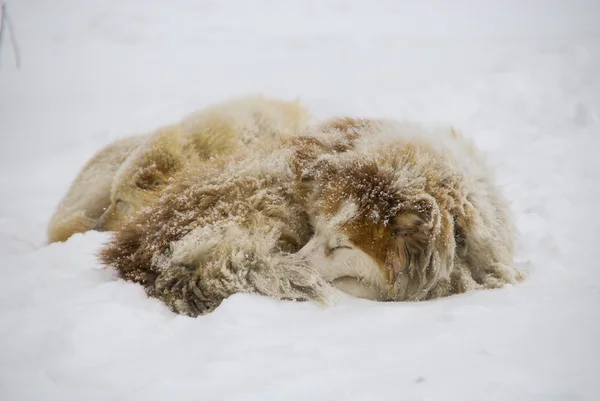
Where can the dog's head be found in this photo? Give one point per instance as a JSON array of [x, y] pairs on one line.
[[382, 216]]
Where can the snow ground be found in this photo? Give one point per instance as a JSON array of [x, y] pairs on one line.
[[522, 77]]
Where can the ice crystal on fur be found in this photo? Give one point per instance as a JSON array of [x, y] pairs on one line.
[[390, 206], [121, 178]]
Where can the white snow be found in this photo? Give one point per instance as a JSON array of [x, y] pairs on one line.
[[522, 77]]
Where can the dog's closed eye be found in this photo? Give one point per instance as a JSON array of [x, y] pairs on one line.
[[338, 247], [330, 250]]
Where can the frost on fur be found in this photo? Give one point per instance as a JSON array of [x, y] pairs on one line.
[[380, 209], [233, 227], [118, 181], [426, 219]]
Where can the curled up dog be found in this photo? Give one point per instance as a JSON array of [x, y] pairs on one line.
[[379, 209]]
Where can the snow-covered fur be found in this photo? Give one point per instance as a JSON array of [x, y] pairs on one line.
[[379, 209], [413, 215], [233, 226], [116, 182], [89, 195]]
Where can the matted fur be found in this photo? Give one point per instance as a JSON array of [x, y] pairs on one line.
[[233, 226], [380, 209], [116, 182], [414, 215]]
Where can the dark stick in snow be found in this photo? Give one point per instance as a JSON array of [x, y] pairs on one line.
[[6, 24]]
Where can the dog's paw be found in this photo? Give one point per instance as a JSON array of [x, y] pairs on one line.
[[182, 290], [293, 279], [497, 275]]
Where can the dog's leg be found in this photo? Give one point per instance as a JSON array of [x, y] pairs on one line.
[[487, 240], [244, 266], [488, 261], [460, 278]]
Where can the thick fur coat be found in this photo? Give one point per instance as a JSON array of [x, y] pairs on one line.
[[413, 215], [233, 226], [117, 181], [379, 209]]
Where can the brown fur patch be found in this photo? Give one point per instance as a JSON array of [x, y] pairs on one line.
[[215, 195], [127, 258], [394, 225], [349, 128], [412, 210], [151, 177], [373, 239], [335, 136]]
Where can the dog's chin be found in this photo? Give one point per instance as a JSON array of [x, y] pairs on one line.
[[358, 288]]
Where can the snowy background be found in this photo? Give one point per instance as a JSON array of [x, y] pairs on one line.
[[521, 77]]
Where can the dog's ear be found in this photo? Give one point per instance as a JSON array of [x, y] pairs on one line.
[[413, 233], [409, 224], [424, 238], [414, 217]]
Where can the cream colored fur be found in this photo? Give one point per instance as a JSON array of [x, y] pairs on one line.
[[117, 181], [440, 169], [231, 227], [347, 267], [89, 194], [379, 209]]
